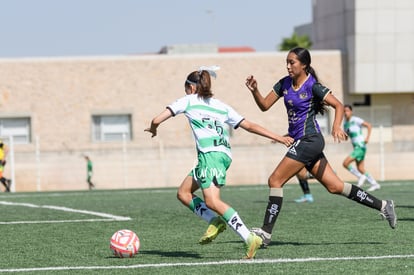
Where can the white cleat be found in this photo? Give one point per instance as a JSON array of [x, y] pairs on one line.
[[374, 187]]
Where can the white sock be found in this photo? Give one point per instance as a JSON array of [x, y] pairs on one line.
[[354, 171], [238, 226], [361, 180], [204, 212], [370, 179]]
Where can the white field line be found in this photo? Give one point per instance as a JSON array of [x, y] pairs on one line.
[[228, 262], [151, 191], [107, 217]]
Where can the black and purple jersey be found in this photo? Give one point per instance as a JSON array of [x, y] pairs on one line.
[[300, 104]]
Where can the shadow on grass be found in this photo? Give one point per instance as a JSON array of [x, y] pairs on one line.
[[404, 206], [315, 244], [323, 243], [171, 254], [407, 207]]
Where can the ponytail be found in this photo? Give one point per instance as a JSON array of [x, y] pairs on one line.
[[310, 70], [204, 85]]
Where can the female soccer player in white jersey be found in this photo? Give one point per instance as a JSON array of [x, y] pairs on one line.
[[353, 127], [207, 116]]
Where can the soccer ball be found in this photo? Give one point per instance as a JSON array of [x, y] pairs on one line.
[[124, 243]]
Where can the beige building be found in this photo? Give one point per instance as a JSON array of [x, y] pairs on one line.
[[376, 38], [58, 109]]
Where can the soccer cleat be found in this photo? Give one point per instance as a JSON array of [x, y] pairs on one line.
[[388, 213], [361, 180], [374, 187], [266, 237], [215, 227], [252, 245], [305, 198]]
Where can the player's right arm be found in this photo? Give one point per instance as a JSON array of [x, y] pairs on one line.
[[264, 103], [156, 121]]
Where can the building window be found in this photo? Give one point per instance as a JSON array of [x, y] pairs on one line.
[[380, 115], [17, 127], [111, 127]]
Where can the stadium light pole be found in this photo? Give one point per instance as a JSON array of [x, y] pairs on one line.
[[213, 25]]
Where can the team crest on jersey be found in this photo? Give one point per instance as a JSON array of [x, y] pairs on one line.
[[290, 102], [303, 95]]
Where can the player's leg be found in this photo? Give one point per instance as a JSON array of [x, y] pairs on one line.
[[348, 165], [3, 180], [285, 170], [186, 196], [90, 184], [324, 174], [366, 176], [358, 155], [216, 224], [89, 180], [211, 173], [210, 166], [9, 183], [212, 197], [302, 177]]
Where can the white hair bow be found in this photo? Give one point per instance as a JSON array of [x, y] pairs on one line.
[[210, 69]]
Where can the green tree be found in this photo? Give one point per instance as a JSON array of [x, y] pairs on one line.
[[295, 41]]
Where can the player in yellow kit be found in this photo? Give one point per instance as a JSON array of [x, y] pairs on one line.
[[4, 150]]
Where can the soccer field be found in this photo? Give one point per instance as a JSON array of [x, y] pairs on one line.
[[69, 232]]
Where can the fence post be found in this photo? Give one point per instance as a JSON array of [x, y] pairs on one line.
[[124, 160], [381, 143], [37, 152]]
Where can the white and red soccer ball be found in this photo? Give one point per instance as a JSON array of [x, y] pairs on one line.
[[124, 243]]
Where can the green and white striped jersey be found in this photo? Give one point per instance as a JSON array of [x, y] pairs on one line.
[[353, 128], [207, 118]]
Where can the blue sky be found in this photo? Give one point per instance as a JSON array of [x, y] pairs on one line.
[[34, 28]]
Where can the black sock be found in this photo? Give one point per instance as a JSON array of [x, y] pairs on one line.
[[362, 197], [3, 181], [272, 211], [305, 186]]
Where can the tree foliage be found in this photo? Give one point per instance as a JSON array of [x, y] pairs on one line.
[[295, 41]]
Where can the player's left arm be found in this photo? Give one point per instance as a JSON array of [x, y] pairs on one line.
[[369, 129], [261, 131], [337, 132]]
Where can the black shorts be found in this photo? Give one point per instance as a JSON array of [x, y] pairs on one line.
[[308, 150]]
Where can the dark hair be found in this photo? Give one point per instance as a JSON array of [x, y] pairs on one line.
[[305, 58], [203, 81], [193, 78], [204, 85], [348, 106]]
